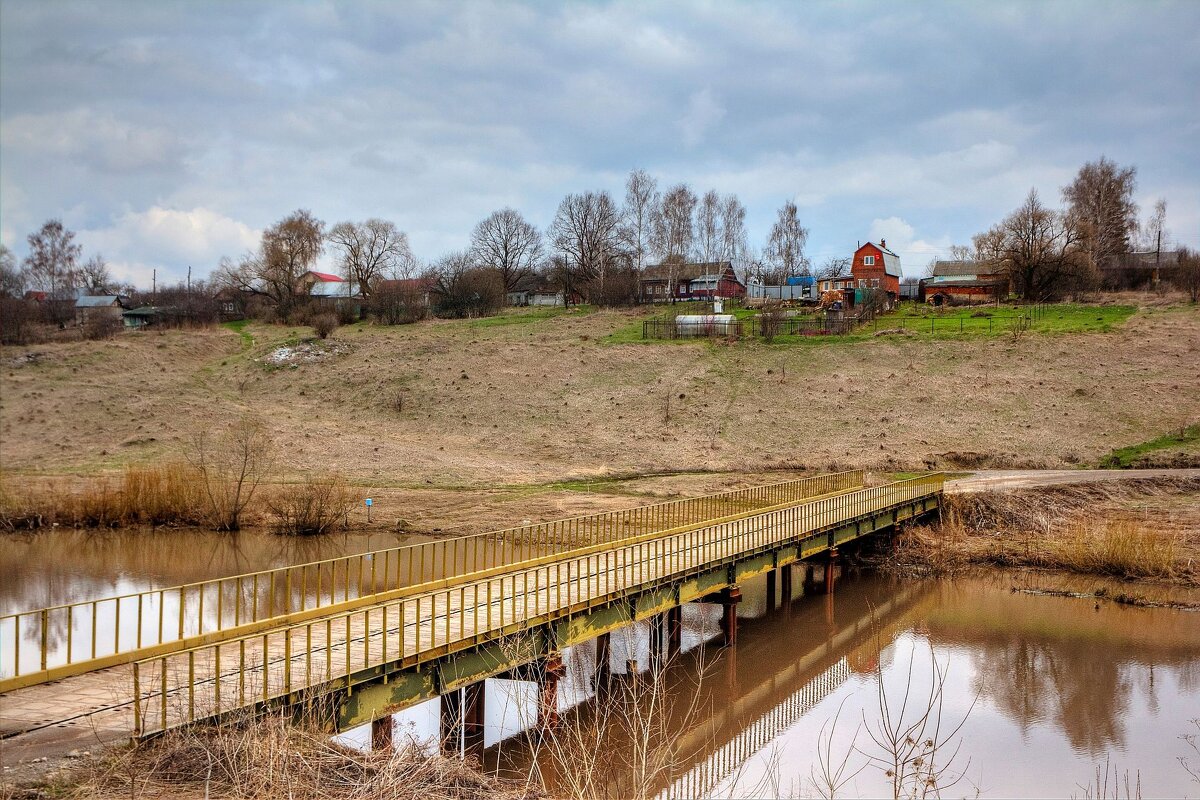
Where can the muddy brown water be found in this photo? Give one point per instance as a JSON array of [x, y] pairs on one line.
[[1048, 688]]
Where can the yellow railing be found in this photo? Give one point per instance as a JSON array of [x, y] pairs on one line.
[[205, 681], [58, 641]]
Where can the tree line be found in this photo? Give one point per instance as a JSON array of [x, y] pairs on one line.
[[1092, 241]]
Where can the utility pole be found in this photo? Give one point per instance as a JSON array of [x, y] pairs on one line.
[[1157, 255], [153, 285]]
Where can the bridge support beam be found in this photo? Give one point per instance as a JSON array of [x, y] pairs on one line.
[[785, 585], [729, 599]]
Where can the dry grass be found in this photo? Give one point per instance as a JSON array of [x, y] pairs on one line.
[[547, 398], [275, 757], [162, 494], [1126, 529]]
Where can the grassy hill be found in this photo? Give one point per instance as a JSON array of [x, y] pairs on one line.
[[538, 396]]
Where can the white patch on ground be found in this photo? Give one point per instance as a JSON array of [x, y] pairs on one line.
[[308, 352]]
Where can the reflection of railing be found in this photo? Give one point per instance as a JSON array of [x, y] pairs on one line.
[[205, 681], [730, 757], [62, 639]]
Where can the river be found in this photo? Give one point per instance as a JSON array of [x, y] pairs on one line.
[[1037, 691]]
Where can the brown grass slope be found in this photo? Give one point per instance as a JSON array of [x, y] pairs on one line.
[[547, 399]]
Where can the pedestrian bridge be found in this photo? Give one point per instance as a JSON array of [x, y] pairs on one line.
[[375, 632]]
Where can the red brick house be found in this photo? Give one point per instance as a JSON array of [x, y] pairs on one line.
[[689, 281], [963, 281], [876, 267]]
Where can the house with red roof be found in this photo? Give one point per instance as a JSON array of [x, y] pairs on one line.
[[876, 267]]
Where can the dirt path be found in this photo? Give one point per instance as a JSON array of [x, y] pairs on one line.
[[1000, 479]]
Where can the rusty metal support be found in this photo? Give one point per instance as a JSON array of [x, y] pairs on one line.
[[674, 631], [830, 564], [382, 733], [551, 671]]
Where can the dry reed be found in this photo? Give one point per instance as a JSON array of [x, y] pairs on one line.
[[1085, 529], [279, 757]]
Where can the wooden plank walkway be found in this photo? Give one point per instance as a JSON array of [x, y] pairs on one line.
[[216, 679]]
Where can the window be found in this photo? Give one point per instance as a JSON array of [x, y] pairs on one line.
[[875, 282], [862, 283], [868, 261]]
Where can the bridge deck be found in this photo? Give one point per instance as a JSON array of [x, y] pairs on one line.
[[404, 628]]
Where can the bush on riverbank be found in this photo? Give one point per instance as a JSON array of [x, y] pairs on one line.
[[1085, 528]]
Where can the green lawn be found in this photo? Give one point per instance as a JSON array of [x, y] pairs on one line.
[[1125, 457], [526, 315]]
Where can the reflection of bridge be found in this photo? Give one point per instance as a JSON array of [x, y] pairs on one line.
[[785, 687], [380, 631]]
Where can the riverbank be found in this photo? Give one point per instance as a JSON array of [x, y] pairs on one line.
[[1142, 528]]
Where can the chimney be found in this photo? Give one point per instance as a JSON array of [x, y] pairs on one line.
[[883, 243]]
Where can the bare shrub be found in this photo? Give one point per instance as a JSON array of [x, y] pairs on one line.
[[324, 324], [18, 321], [101, 326], [311, 508], [771, 321], [231, 466]]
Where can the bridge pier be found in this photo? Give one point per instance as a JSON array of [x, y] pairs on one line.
[[674, 631], [785, 586], [462, 718], [550, 671], [810, 583], [772, 579], [382, 733], [657, 645], [830, 564], [729, 599], [603, 674]]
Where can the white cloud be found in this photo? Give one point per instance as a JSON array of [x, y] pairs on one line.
[[102, 139], [138, 241]]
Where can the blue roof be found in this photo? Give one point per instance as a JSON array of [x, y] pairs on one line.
[[801, 280], [96, 301]]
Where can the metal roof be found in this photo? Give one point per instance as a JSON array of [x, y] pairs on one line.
[[957, 269], [97, 301], [331, 289]]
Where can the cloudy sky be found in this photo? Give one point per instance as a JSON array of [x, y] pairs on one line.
[[169, 134]]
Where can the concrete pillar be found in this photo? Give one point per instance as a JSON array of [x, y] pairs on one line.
[[551, 671], [772, 579], [381, 733], [729, 599], [674, 631], [785, 586], [657, 648]]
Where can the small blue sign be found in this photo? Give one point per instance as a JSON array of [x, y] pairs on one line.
[[370, 502]]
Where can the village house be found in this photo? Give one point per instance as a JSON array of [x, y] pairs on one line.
[[410, 291], [92, 307], [965, 281], [876, 267], [689, 281]]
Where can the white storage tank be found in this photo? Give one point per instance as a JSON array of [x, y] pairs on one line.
[[705, 325]]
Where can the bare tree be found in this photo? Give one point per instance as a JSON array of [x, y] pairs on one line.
[[369, 251], [1154, 230], [289, 248], [785, 247], [1039, 249], [637, 216], [733, 230], [709, 240], [12, 281], [231, 467], [95, 277], [674, 231], [1187, 273], [834, 267], [508, 244], [464, 289], [586, 233], [51, 265], [1100, 203]]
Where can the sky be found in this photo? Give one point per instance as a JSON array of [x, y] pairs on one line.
[[170, 134]]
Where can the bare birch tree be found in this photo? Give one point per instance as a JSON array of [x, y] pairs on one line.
[[637, 216], [733, 230], [508, 244], [95, 277], [785, 247], [709, 240], [585, 232], [369, 251], [1100, 202], [674, 231]]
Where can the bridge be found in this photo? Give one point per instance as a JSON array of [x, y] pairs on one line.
[[372, 633]]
